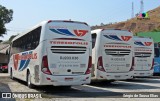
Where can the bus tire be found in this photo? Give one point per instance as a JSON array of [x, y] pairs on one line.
[[11, 74], [67, 87], [29, 84]]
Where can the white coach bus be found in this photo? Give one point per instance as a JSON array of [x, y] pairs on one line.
[[52, 53], [144, 56], [112, 54]]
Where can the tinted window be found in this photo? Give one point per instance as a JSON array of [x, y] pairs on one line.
[[27, 42], [156, 45], [156, 52], [94, 40]]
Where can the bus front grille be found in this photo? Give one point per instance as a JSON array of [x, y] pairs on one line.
[[117, 52], [68, 49], [142, 54]]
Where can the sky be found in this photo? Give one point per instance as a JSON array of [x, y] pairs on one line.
[[28, 13]]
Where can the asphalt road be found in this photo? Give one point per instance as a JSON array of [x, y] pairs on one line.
[[103, 90]]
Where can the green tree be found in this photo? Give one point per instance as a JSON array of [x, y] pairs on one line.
[[156, 30], [11, 38], [5, 17]]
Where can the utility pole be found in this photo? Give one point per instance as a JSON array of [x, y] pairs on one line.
[[142, 7], [132, 16]]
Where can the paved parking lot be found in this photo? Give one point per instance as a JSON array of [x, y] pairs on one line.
[[94, 91]]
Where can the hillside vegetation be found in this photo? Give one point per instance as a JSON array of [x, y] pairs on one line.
[[136, 25]]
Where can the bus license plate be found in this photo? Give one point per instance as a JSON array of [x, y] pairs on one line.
[[117, 76], [68, 79], [141, 73]]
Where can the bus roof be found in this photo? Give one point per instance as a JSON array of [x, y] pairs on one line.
[[67, 21], [98, 30], [43, 23], [142, 37]]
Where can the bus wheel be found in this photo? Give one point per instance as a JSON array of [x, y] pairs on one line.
[[29, 84], [11, 74]]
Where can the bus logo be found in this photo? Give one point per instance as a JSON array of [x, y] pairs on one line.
[[15, 61], [66, 32], [24, 60], [147, 43], [126, 38], [115, 37], [80, 32], [143, 44]]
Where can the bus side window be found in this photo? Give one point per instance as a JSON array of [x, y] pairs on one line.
[[156, 52], [27, 42], [35, 37], [94, 40]]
